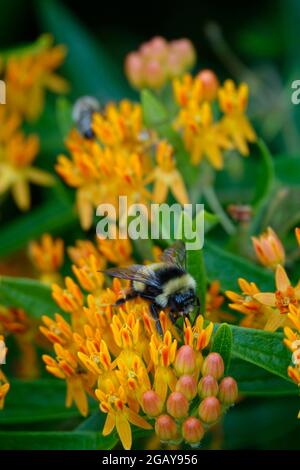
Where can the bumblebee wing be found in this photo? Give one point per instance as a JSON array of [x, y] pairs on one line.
[[175, 254], [136, 272]]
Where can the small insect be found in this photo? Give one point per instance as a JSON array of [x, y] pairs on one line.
[[164, 285], [82, 114]]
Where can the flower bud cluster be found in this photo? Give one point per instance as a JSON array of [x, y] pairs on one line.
[[200, 397], [157, 61]]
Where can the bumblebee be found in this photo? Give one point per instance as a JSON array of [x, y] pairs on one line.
[[82, 114], [164, 285]]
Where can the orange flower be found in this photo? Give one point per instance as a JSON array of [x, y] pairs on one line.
[[162, 353], [166, 176], [27, 75], [47, 257], [113, 402], [233, 102], [269, 249], [16, 170], [4, 388]]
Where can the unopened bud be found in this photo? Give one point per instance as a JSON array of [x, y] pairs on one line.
[[209, 410], [185, 361], [192, 430], [228, 391], [210, 84], [213, 365], [152, 403], [187, 385], [155, 74], [166, 428], [177, 405], [185, 50], [134, 69], [208, 387]]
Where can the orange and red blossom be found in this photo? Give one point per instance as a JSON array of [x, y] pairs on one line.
[[47, 256], [192, 431], [228, 391], [152, 403], [177, 405], [208, 386], [213, 365], [187, 385], [166, 428], [269, 249], [185, 361], [209, 410], [292, 341]]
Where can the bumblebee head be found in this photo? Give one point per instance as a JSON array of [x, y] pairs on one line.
[[184, 301]]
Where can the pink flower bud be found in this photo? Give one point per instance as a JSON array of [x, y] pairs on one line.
[[155, 74], [208, 387], [159, 48], [209, 410], [185, 50], [187, 385], [134, 69], [213, 365], [192, 430], [228, 391], [210, 84], [152, 403], [166, 428], [185, 361], [174, 64], [177, 405]]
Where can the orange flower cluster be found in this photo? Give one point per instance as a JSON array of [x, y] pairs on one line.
[[292, 341], [118, 162], [115, 355], [204, 135], [27, 74]]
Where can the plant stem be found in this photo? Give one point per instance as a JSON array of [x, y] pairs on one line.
[[215, 205]]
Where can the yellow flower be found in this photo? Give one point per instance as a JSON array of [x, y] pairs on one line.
[[292, 341], [4, 388], [214, 301], [285, 294], [202, 136], [28, 75], [16, 170], [162, 353], [269, 249], [188, 89], [47, 257], [166, 176], [233, 102], [113, 402], [256, 314], [79, 381], [118, 251]]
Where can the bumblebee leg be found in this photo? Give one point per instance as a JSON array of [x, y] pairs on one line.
[[155, 316], [173, 316], [129, 296]]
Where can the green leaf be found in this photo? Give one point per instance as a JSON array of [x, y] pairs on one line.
[[51, 216], [90, 66], [287, 170], [64, 115], [96, 422], [34, 401], [53, 440], [194, 257], [227, 268], [222, 344], [29, 294], [210, 220], [264, 182], [261, 348], [31, 48], [255, 381], [154, 112]]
